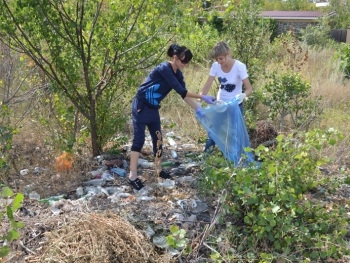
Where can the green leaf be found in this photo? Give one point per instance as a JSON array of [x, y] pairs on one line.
[[247, 220], [4, 251], [16, 224], [17, 202], [9, 213], [6, 192], [12, 235], [173, 228]]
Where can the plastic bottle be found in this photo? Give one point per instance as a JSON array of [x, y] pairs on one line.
[[167, 164], [174, 154], [144, 163], [107, 176], [171, 142], [52, 199], [119, 171]]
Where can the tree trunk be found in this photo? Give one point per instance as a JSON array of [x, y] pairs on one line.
[[96, 147]]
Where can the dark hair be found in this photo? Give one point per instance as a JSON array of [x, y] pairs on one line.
[[180, 52]]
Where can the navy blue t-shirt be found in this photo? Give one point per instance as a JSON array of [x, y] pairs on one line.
[[159, 83]]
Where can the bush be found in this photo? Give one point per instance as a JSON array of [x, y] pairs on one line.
[[9, 204], [288, 96], [343, 54], [268, 213], [317, 35]]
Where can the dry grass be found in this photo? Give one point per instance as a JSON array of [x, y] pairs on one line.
[[99, 238], [321, 71], [32, 145], [32, 148]]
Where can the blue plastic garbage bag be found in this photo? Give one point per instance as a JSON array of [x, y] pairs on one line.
[[225, 125]]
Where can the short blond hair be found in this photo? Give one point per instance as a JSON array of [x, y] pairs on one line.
[[220, 49]]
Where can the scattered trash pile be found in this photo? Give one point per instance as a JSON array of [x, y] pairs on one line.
[[61, 224], [75, 223]]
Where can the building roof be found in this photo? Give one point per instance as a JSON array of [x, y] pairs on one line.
[[292, 14]]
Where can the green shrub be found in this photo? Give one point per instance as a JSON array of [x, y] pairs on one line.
[[317, 35], [269, 212], [343, 54], [288, 98], [9, 203]]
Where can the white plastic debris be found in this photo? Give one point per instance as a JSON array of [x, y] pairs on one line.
[[177, 217], [160, 241], [80, 191], [188, 146], [170, 134], [56, 211], [145, 198], [171, 142], [24, 172], [149, 231], [34, 195], [186, 179], [167, 183], [144, 163]]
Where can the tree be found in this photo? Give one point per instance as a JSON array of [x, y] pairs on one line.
[[341, 18], [289, 5], [92, 51], [248, 35]]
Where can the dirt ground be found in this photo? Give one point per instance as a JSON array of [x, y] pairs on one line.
[[57, 202], [84, 214]]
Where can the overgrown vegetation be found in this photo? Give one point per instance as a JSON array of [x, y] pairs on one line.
[[280, 205], [90, 69], [9, 204], [343, 54], [288, 96]]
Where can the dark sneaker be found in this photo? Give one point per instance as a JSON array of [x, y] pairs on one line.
[[165, 174], [136, 184]]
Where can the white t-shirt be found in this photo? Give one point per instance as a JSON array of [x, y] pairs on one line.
[[231, 82]]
